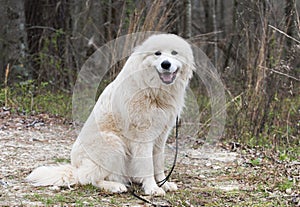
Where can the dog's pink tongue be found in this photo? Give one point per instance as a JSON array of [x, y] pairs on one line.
[[167, 77]]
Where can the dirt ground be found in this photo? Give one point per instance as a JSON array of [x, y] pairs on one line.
[[206, 176]]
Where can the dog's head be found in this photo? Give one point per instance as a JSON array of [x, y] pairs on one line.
[[168, 56]]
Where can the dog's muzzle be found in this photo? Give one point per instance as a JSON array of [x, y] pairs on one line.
[[165, 74]]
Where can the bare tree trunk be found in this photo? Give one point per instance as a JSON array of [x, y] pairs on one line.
[[13, 38], [230, 44], [290, 20], [209, 26], [222, 17], [215, 30], [68, 55], [187, 25], [110, 20], [208, 16]]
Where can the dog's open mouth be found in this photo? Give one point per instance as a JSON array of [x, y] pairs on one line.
[[167, 77]]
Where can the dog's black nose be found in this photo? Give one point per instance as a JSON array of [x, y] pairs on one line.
[[166, 65]]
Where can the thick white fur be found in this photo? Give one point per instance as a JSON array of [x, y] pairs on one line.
[[124, 138]]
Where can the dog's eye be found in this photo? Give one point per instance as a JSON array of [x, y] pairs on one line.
[[158, 53], [174, 52]]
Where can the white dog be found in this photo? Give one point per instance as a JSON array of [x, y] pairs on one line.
[[124, 138]]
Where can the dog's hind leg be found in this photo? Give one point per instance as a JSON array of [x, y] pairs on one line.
[[91, 173], [100, 161]]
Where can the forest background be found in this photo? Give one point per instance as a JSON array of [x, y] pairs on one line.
[[255, 46]]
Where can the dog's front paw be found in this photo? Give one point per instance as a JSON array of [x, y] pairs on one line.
[[117, 188], [113, 187], [155, 191], [169, 186]]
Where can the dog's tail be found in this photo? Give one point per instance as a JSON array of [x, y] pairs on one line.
[[59, 175]]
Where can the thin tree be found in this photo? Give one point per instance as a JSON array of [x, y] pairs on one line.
[[290, 20], [187, 25]]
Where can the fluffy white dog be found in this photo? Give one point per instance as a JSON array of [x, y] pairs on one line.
[[124, 138]]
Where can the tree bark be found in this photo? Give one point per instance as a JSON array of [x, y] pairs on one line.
[[187, 25], [290, 20], [13, 38], [215, 26]]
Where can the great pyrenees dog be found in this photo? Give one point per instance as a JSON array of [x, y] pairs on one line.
[[123, 140]]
